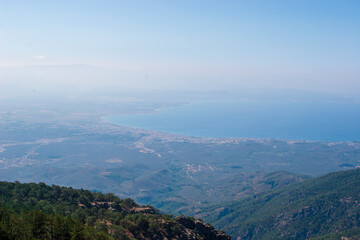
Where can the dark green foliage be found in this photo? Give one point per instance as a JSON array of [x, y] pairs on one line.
[[313, 208], [38, 225], [37, 211]]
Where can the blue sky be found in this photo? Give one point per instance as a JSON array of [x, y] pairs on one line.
[[285, 44]]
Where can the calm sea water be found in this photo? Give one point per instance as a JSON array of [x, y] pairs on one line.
[[277, 120]]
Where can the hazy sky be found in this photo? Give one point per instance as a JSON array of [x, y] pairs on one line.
[[309, 45]]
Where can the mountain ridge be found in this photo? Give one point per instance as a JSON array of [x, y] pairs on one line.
[[39, 211], [328, 204]]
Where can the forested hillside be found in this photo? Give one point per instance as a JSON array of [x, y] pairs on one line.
[[39, 211], [326, 207]]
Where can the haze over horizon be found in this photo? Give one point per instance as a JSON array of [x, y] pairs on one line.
[[241, 115], [181, 45]]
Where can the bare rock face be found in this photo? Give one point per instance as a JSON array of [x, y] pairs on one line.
[[196, 228]]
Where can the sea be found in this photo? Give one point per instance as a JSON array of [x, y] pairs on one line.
[[312, 121]]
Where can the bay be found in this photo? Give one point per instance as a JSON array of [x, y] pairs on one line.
[[320, 121]]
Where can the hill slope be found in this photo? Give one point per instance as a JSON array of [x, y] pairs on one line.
[[39, 211], [328, 205], [192, 191]]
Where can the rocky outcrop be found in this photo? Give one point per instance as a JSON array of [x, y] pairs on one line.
[[196, 228]]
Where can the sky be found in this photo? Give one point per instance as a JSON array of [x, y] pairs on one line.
[[311, 45]]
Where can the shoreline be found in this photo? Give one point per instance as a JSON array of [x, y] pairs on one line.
[[176, 137]]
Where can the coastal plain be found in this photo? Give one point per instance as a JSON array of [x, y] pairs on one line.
[[177, 174]]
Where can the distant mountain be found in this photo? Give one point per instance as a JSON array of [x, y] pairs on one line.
[[39, 211], [326, 207]]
